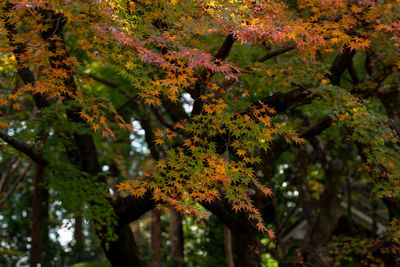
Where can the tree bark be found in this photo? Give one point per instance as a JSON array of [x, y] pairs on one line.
[[83, 155], [78, 233], [246, 243], [228, 247], [176, 235], [123, 252], [328, 215], [39, 229], [155, 238]]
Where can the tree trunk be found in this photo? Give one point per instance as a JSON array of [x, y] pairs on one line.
[[228, 247], [155, 238], [392, 106], [39, 230], [78, 233], [123, 252], [83, 155], [176, 235], [246, 245], [328, 215]]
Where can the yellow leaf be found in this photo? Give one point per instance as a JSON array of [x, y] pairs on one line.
[[161, 164], [95, 126], [158, 141], [241, 152]]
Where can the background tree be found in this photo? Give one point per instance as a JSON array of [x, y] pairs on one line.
[[262, 116]]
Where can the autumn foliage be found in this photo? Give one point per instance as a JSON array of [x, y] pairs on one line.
[[244, 111]]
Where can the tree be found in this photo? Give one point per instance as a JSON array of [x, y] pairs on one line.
[[235, 104]]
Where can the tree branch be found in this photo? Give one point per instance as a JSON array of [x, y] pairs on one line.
[[276, 53], [226, 47], [14, 185], [317, 128], [199, 87], [162, 119], [24, 148], [341, 62], [10, 170], [101, 80], [282, 101]]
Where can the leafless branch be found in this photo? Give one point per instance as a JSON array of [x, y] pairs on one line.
[[13, 166], [14, 185]]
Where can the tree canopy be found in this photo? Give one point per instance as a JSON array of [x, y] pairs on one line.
[[254, 121]]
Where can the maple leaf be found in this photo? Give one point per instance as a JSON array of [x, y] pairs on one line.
[[95, 126], [271, 234], [165, 51], [3, 102], [16, 106], [158, 141], [241, 152], [3, 124], [161, 164], [267, 191]]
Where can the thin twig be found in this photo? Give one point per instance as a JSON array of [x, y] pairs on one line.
[[10, 170], [14, 185]]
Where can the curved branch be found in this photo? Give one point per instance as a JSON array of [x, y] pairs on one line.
[[276, 53], [24, 148]]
